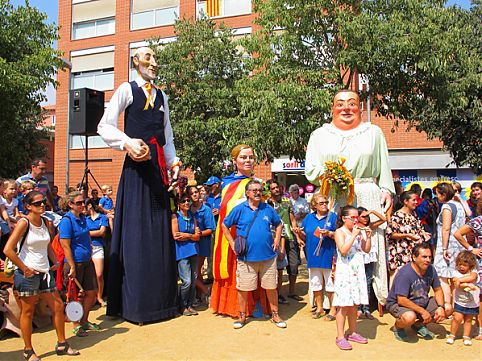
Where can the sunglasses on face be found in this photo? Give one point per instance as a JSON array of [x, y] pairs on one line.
[[321, 203], [352, 218], [185, 201], [39, 203], [255, 190], [79, 203]]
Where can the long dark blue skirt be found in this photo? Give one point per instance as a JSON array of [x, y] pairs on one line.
[[142, 282]]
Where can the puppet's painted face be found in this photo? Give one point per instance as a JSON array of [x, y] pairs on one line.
[[146, 64], [346, 110]]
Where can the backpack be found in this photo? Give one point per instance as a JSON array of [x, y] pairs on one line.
[[59, 253]]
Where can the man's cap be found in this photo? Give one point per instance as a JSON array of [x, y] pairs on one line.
[[293, 188], [211, 180]]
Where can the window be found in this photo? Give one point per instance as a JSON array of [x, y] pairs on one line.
[[90, 29], [219, 8], [150, 13], [93, 18], [93, 70], [97, 79], [78, 142]]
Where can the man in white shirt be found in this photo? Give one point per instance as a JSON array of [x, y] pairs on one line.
[[142, 285]]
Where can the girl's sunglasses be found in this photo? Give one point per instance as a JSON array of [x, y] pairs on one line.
[[39, 203]]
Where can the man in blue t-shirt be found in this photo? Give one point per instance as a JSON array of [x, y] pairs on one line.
[[409, 301], [254, 219]]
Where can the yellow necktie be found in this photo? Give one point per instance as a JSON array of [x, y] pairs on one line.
[[148, 87]]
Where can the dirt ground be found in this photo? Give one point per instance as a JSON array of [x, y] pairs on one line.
[[211, 337]]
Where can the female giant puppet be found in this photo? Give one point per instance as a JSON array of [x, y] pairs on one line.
[[364, 147], [224, 295], [142, 275]]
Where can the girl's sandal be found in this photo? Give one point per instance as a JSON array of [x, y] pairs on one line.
[[479, 335], [28, 353], [63, 348], [79, 332], [91, 327]]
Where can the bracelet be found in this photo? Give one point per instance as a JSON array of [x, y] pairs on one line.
[[470, 249], [444, 249]]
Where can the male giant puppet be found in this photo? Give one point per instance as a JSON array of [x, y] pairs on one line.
[[142, 275], [364, 147]]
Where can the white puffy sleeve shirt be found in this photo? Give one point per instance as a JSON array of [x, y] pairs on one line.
[[364, 148]]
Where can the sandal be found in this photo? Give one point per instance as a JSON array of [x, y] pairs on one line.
[[240, 322], [479, 335], [329, 318], [296, 297], [63, 348], [317, 315], [91, 327], [280, 323], [79, 332], [27, 353]]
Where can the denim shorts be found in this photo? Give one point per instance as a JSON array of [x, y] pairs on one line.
[[466, 310], [32, 286]]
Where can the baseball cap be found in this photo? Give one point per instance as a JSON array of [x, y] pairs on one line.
[[211, 180]]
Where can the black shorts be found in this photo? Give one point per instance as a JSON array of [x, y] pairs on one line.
[[85, 274], [293, 256]]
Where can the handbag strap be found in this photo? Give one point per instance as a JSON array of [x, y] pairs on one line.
[[251, 224], [24, 236]]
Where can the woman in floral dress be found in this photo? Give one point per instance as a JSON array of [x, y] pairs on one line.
[[404, 231]]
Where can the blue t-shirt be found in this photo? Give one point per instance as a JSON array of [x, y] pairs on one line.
[[214, 203], [416, 288], [205, 220], [94, 225], [77, 230], [106, 203], [328, 246], [260, 239], [185, 249]]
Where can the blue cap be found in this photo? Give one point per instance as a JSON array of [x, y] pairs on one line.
[[211, 180]]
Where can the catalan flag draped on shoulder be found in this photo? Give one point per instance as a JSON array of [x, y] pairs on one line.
[[233, 191]]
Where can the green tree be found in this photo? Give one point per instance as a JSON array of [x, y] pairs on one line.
[[200, 70], [27, 65], [422, 61]]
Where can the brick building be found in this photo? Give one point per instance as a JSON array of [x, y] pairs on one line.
[[98, 37]]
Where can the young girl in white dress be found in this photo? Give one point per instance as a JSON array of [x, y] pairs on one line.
[[351, 239]]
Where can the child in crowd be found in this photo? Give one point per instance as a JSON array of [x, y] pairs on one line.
[[106, 204], [4, 226], [369, 258], [25, 188], [187, 234], [350, 280], [466, 296], [281, 263], [9, 200]]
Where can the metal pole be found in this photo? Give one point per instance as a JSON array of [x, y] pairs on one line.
[[68, 65]]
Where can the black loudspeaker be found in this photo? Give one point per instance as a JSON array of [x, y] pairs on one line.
[[86, 110]]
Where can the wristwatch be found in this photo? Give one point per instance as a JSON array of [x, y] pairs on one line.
[[442, 306], [470, 249]]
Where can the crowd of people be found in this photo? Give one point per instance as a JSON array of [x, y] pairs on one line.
[[227, 242]]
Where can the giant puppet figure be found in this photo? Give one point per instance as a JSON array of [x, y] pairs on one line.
[[142, 275], [365, 149]]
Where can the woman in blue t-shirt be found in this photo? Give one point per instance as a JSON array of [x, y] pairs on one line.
[[320, 260], [97, 223], [205, 221], [186, 233], [76, 243]]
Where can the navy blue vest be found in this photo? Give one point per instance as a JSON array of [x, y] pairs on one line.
[[143, 124]]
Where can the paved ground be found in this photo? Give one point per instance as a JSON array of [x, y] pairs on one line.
[[210, 337]]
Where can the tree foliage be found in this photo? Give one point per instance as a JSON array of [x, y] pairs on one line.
[[422, 61], [27, 65], [200, 70]]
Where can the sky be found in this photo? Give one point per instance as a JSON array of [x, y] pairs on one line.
[[50, 7]]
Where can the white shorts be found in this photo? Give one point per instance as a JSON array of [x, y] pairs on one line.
[[97, 252], [320, 276]]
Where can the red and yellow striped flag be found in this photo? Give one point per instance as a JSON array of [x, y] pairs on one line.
[[231, 194], [213, 7]]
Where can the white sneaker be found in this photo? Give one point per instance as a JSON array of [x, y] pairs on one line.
[[450, 339], [467, 341]]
